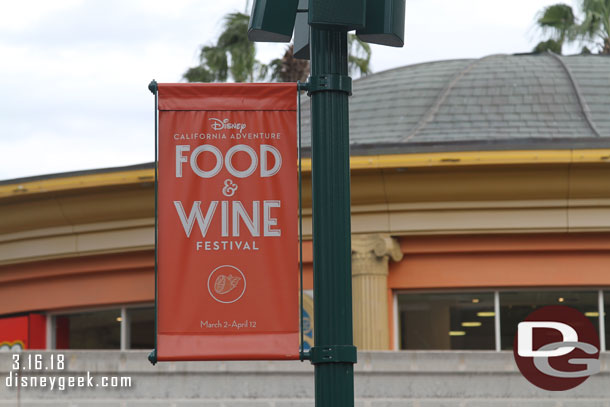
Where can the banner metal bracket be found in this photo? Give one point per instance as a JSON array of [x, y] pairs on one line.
[[303, 354], [154, 88], [333, 354], [329, 82]]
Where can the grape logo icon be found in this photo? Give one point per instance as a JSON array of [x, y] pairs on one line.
[[226, 284]]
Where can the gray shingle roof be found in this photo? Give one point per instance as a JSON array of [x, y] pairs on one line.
[[496, 102]]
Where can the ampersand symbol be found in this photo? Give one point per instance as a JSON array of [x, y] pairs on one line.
[[229, 188]]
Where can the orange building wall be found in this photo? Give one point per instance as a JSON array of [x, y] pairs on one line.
[[499, 261], [553, 260], [430, 263], [77, 282]]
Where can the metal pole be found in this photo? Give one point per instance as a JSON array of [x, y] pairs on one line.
[[333, 354]]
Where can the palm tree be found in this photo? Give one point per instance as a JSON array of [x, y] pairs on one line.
[[548, 46], [233, 55], [559, 21], [359, 56], [596, 24], [288, 68]]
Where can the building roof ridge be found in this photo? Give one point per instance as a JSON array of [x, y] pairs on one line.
[[584, 106], [429, 115]]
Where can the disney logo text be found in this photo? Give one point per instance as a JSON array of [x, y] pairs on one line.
[[218, 124]]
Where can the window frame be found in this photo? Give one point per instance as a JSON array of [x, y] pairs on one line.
[[497, 306], [124, 331]]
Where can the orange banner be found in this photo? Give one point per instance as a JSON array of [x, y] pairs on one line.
[[227, 222]]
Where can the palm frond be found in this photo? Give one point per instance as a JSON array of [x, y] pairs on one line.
[[232, 56], [597, 19], [557, 20], [359, 56]]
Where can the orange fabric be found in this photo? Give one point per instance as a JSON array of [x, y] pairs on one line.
[[228, 96], [227, 225], [245, 346]]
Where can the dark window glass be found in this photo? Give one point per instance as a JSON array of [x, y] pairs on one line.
[[142, 328], [89, 330], [516, 306], [446, 321]]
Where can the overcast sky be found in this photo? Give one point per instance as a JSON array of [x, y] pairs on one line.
[[74, 73]]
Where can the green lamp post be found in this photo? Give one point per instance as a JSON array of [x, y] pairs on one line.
[[329, 87]]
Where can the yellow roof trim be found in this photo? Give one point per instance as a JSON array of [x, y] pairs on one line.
[[474, 158], [356, 163], [77, 182]]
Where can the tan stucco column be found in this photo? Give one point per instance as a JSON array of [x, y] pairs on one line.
[[370, 261]]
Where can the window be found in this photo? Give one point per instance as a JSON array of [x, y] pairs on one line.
[[118, 328], [447, 321], [141, 328], [89, 330], [515, 307], [485, 320]]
